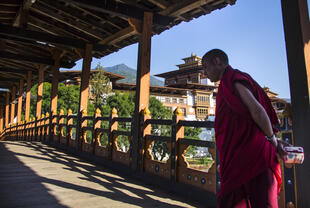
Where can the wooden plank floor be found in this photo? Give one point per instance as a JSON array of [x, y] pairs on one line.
[[35, 175]]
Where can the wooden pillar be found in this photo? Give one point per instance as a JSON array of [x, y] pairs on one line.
[[20, 100], [13, 93], [28, 93], [7, 108], [143, 87], [297, 38], [84, 89], [40, 92], [54, 94], [1, 118]]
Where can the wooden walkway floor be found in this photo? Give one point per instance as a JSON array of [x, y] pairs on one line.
[[38, 176]]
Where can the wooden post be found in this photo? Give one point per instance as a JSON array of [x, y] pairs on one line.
[[13, 104], [84, 89], [28, 93], [177, 132], [40, 92], [54, 94], [7, 108], [20, 100], [297, 37], [1, 118], [143, 86]]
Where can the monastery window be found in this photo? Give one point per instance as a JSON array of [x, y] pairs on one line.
[[202, 112], [167, 100], [181, 100], [174, 100]]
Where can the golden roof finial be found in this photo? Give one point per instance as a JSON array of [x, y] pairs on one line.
[[98, 111], [192, 54], [69, 111]]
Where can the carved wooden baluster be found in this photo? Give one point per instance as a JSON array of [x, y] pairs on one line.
[[38, 123], [69, 122], [54, 124], [212, 169], [47, 127], [112, 144], [96, 134], [147, 130], [182, 162], [178, 132], [42, 124], [60, 123], [84, 124]]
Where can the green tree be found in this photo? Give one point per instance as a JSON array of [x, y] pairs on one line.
[[46, 99], [68, 97], [99, 86], [158, 111]]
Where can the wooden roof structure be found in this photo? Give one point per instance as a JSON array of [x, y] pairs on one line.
[[31, 30]]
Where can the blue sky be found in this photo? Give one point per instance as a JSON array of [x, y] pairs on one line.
[[251, 32]]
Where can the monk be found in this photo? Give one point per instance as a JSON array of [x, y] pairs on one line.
[[250, 173]]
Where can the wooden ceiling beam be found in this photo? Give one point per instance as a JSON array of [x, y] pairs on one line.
[[47, 38], [159, 3], [17, 65], [34, 60], [37, 22], [22, 15], [119, 9], [6, 79], [17, 71], [177, 9], [9, 2], [70, 22], [8, 9], [74, 14], [15, 48], [121, 35]]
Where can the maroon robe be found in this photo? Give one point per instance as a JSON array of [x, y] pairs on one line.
[[244, 152]]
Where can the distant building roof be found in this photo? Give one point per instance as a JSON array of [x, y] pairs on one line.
[[75, 75]]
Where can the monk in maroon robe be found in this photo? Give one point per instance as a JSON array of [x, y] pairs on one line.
[[250, 173]]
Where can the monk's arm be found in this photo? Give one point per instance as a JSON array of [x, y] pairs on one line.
[[256, 110]]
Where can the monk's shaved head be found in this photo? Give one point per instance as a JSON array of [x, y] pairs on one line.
[[212, 54]]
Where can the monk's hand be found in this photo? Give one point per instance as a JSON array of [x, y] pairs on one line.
[[280, 148]]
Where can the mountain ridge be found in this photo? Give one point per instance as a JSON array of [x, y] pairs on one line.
[[130, 74]]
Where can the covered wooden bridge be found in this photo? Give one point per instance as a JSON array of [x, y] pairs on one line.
[[40, 36]]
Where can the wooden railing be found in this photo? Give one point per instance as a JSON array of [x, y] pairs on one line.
[[101, 141]]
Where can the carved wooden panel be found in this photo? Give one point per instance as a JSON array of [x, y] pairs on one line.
[[87, 147], [157, 168], [121, 157], [101, 151]]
